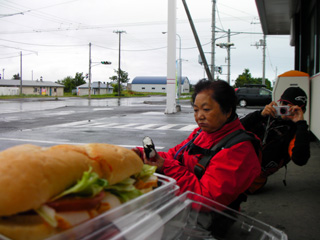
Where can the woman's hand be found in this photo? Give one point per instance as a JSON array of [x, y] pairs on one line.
[[269, 110], [137, 151], [296, 114], [155, 161]]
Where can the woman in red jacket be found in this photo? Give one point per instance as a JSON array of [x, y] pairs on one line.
[[232, 170]]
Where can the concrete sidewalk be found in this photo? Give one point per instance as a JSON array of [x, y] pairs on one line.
[[295, 208]]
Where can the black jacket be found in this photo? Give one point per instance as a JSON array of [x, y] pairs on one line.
[[276, 147]]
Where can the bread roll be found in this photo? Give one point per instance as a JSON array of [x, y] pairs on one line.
[[116, 163], [31, 175], [28, 227]]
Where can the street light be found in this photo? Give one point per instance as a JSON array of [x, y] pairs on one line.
[[180, 67]]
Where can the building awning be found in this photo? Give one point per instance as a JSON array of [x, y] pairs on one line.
[[276, 15]]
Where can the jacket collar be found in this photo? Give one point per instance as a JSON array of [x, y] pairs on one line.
[[227, 128]]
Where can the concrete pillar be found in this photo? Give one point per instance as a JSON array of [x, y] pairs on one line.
[[171, 58]]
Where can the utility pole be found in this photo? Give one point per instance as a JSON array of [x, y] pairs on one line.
[[227, 45], [262, 43], [20, 73], [228, 49], [119, 69], [264, 60], [213, 38], [180, 69], [89, 86]]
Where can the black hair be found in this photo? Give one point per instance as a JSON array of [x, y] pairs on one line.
[[222, 93]]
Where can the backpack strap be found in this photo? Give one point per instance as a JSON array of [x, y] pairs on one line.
[[186, 145], [228, 141]]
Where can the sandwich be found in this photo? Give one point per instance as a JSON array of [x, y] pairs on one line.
[[48, 190]]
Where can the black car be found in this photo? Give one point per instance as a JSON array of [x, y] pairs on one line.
[[256, 95]]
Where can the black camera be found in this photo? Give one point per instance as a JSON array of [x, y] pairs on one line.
[[282, 110]]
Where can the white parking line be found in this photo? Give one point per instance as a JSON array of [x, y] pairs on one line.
[[168, 126], [35, 141], [106, 125], [188, 127], [146, 126], [152, 113], [71, 124], [102, 109], [126, 125]]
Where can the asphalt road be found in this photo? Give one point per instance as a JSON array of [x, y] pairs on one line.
[[76, 121], [294, 209], [82, 121]]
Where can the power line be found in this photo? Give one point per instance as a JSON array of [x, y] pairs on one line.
[[14, 56], [19, 49], [9, 15], [42, 45]]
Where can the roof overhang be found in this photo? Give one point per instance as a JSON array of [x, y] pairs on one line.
[[276, 16]]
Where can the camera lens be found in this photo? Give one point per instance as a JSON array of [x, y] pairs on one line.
[[283, 110]]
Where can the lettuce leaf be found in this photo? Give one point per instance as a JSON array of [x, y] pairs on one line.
[[146, 172], [89, 185], [125, 190], [125, 196], [48, 214]]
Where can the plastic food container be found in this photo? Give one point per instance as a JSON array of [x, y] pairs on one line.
[[186, 218], [120, 218]]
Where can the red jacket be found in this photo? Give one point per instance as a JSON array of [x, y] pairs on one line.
[[229, 173]]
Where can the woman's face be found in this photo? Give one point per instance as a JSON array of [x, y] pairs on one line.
[[207, 112]]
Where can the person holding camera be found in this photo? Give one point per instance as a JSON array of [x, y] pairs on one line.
[[284, 134]]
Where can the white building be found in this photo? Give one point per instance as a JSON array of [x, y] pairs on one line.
[[38, 87], [97, 88], [156, 84]]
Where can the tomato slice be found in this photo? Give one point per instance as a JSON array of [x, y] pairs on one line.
[[76, 203]]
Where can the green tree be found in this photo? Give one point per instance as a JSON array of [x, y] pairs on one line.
[[16, 76], [246, 78], [123, 79], [71, 83], [79, 79], [267, 82], [68, 83]]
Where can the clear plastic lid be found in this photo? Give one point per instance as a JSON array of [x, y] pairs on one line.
[[186, 218], [124, 215]]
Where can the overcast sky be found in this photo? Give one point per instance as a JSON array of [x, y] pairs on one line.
[[54, 37]]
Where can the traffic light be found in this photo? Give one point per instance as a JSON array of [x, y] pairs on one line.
[[105, 62], [218, 69]]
